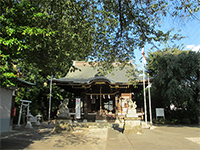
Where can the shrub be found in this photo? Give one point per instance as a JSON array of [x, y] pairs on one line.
[[185, 121], [175, 121]]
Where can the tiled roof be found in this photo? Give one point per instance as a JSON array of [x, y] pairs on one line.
[[86, 74]]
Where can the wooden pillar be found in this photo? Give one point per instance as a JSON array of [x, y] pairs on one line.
[[89, 104], [116, 105], [85, 107], [100, 101]]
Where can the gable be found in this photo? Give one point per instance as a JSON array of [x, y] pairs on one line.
[[87, 74]]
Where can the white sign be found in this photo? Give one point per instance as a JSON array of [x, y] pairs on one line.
[[160, 112], [78, 108]]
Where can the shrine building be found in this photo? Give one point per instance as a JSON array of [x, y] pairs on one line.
[[97, 96]]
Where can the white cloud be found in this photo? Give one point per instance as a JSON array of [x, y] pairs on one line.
[[193, 47]]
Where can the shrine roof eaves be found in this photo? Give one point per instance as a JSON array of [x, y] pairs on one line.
[[87, 75], [25, 82]]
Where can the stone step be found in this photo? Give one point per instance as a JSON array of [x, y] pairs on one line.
[[93, 125]]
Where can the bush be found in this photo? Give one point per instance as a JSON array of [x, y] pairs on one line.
[[161, 121], [186, 121], [175, 121]]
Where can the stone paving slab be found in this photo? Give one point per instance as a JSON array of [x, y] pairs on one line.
[[117, 141], [194, 139], [166, 138], [81, 139], [161, 137]]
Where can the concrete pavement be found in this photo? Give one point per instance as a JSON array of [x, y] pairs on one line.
[[162, 137], [165, 138]]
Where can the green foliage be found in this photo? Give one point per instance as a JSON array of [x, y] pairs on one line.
[[185, 121], [50, 34], [176, 79], [39, 95], [8, 75], [138, 24], [19, 21], [42, 38], [160, 121], [72, 39]]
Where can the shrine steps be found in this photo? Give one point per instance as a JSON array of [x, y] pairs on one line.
[[92, 125]]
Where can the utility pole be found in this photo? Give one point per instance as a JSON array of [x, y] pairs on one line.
[[150, 111], [49, 116], [145, 103]]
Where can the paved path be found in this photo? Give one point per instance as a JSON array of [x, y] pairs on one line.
[[117, 141], [162, 137], [167, 138]]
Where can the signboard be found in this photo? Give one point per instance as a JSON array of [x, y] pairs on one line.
[[78, 108], [160, 112], [108, 105]]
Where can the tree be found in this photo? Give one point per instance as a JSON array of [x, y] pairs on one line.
[[72, 39], [50, 34], [19, 20], [45, 36], [138, 24], [39, 94], [176, 79], [46, 32], [8, 75]]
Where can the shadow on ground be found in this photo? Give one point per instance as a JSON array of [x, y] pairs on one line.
[[75, 138], [22, 137], [43, 136], [118, 128]]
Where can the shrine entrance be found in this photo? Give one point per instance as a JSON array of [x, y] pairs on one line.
[[101, 100], [108, 103], [103, 106], [103, 97]]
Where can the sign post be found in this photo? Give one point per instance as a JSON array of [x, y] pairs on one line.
[[78, 108]]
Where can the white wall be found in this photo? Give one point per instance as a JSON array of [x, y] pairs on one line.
[[5, 109]]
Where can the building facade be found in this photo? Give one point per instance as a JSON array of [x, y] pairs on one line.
[[7, 101], [103, 97]]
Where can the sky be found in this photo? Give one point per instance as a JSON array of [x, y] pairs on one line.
[[189, 28]]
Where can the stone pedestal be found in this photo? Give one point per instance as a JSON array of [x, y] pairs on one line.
[[64, 120], [63, 124], [85, 121], [132, 113], [117, 120], [132, 125], [132, 121], [28, 125]]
